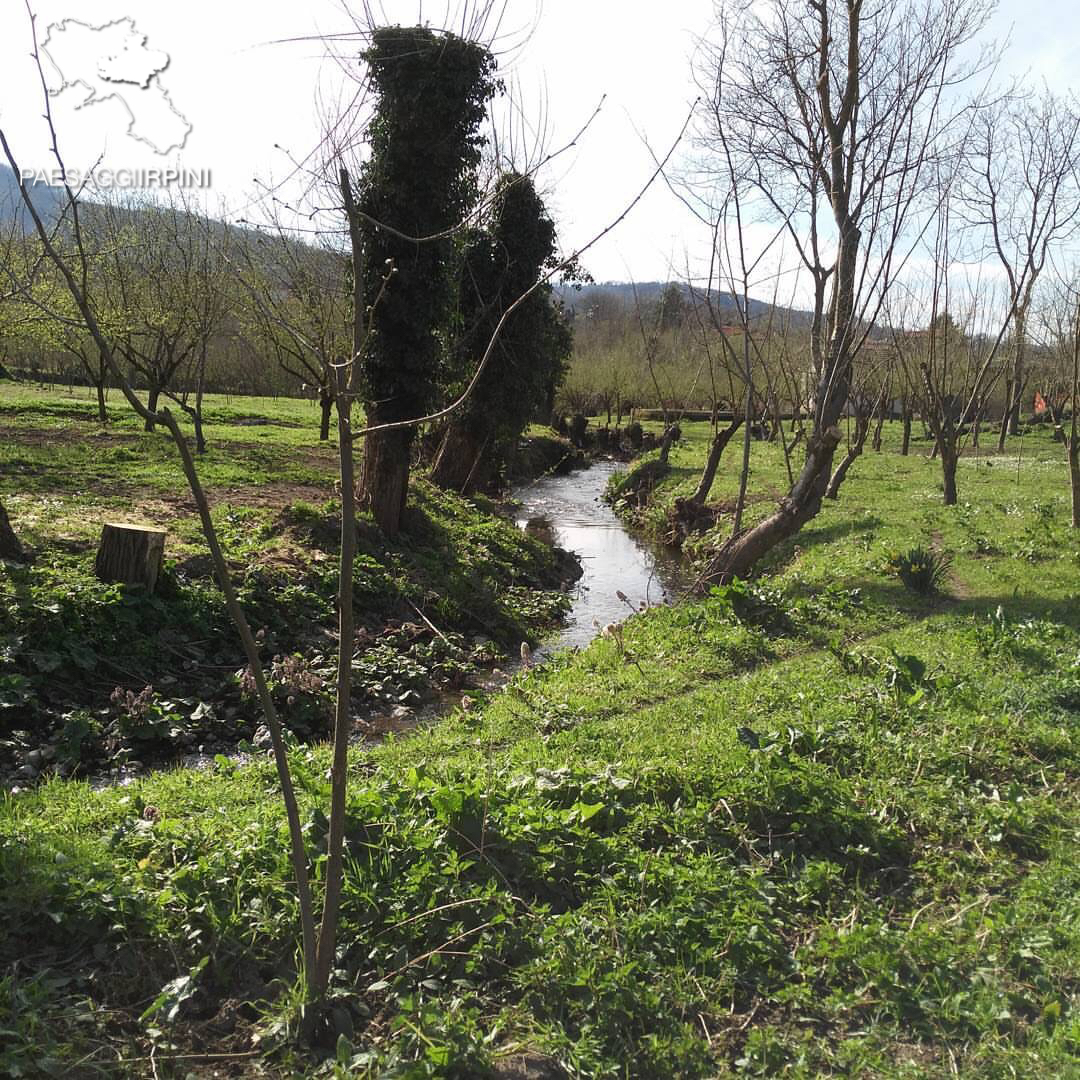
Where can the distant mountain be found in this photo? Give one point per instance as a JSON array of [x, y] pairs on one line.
[[622, 294], [48, 200]]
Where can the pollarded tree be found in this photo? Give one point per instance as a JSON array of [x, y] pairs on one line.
[[502, 263], [431, 91], [829, 112]]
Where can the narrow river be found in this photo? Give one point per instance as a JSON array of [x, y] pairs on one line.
[[570, 510], [566, 510]]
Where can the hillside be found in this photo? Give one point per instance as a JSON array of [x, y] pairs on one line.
[[623, 295], [48, 200]]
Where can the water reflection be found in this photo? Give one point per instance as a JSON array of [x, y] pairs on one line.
[[569, 510]]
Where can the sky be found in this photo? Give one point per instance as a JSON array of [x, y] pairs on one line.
[[248, 78]]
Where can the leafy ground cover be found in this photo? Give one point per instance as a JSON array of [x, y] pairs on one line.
[[817, 824], [94, 674]]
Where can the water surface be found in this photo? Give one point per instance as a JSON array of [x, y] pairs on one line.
[[611, 557]]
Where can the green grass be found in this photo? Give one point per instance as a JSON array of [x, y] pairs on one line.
[[815, 825]]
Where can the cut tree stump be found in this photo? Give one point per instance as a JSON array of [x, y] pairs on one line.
[[130, 553]]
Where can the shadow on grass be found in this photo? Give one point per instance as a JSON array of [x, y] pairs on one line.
[[886, 593], [464, 565], [812, 536]]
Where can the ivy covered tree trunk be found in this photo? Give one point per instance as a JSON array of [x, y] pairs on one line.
[[527, 360], [10, 548], [430, 93], [384, 475]]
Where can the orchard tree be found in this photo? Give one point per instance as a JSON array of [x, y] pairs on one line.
[[828, 113], [419, 185], [1023, 196], [163, 289], [297, 309], [502, 262]]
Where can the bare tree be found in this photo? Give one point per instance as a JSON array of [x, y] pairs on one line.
[[1059, 385], [832, 112], [297, 305], [1021, 190], [160, 287], [949, 362]]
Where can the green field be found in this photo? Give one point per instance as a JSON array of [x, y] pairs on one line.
[[813, 825]]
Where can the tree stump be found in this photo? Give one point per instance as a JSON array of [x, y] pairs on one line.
[[130, 553]]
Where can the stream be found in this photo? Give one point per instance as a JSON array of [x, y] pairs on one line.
[[569, 511], [565, 510]]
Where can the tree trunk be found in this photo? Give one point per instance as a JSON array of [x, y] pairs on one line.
[[200, 386], [1018, 378], [876, 444], [736, 558], [665, 443], [949, 459], [1006, 414], [905, 444], [788, 448], [384, 475], [712, 463], [152, 406], [456, 466], [99, 383], [862, 427], [10, 548], [326, 404], [343, 714], [131, 554], [1073, 444], [200, 440]]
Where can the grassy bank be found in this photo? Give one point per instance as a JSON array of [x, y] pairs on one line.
[[818, 825], [93, 674]]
